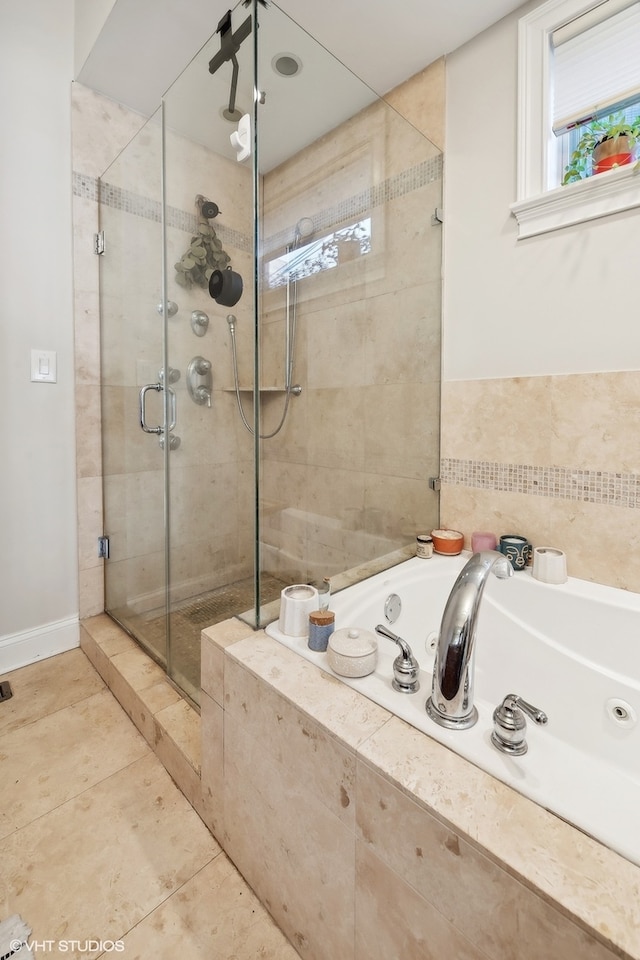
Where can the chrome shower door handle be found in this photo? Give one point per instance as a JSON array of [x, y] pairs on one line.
[[143, 407]]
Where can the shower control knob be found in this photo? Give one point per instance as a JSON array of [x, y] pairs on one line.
[[199, 322], [200, 381], [174, 441], [172, 308], [172, 375]]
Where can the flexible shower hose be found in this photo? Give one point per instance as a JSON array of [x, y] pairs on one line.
[[262, 436]]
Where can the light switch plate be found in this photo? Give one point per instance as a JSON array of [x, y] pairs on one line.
[[44, 366]]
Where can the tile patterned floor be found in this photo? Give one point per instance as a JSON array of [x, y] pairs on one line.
[[98, 844]]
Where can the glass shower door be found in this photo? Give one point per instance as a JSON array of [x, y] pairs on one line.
[[298, 423], [132, 357], [209, 227]]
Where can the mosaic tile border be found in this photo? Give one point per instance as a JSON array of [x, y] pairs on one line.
[[354, 207], [92, 188], [558, 483], [393, 188]]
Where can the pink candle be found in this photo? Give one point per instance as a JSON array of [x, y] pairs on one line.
[[483, 541]]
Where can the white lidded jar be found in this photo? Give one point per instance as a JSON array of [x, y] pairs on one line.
[[424, 546], [352, 652]]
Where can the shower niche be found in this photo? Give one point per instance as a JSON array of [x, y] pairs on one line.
[[316, 428]]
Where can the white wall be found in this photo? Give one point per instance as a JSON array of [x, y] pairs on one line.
[[555, 304], [89, 19], [38, 554]]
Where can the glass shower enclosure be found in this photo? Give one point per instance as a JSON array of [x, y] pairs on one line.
[[286, 433]]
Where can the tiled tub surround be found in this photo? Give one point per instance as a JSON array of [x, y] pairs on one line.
[[543, 642], [553, 458], [367, 839]]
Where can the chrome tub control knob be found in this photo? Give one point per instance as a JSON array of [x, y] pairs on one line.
[[510, 727], [406, 669]]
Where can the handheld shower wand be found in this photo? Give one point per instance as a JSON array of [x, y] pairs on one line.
[[231, 320], [304, 229]]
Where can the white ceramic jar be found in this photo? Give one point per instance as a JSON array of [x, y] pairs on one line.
[[352, 652]]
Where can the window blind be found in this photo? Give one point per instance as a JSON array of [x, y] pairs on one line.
[[596, 69]]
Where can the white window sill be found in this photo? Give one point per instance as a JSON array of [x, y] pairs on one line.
[[578, 202]]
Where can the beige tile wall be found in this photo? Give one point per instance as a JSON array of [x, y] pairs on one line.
[[100, 130], [360, 443], [552, 458], [421, 100]]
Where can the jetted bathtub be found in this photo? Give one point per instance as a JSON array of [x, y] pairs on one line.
[[573, 650]]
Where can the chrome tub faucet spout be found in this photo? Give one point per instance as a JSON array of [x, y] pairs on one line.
[[451, 701]]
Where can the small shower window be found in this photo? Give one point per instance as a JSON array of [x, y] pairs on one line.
[[321, 254]]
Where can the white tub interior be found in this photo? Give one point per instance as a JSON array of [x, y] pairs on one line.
[[571, 649]]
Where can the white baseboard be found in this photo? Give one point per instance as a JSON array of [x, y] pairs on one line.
[[19, 649]]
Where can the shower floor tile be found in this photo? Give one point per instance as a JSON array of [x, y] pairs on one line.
[[188, 619]]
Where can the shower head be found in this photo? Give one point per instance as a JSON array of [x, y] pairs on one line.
[[230, 44], [304, 229]]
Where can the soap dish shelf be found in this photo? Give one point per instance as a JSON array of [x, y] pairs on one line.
[[296, 390]]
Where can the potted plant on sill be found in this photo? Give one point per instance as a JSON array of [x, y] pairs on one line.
[[608, 142]]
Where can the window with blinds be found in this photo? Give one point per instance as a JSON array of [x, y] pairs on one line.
[[595, 73], [578, 64]]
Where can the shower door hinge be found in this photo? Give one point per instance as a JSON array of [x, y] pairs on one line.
[[103, 548], [437, 216], [435, 483], [98, 242]]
